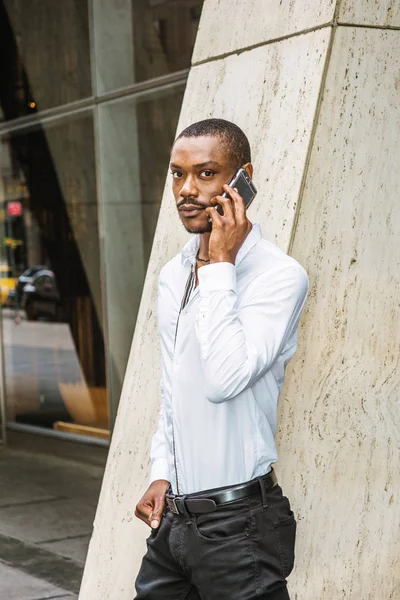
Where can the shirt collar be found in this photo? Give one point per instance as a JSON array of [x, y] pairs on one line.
[[190, 249]]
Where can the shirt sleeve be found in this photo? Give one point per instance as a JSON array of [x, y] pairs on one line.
[[158, 454], [240, 343]]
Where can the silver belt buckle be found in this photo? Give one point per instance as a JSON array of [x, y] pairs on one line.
[[172, 506]]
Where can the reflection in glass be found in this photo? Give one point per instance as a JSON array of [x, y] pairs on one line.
[[44, 55], [151, 38], [135, 138], [50, 277]]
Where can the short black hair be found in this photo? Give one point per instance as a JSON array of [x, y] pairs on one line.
[[230, 134]]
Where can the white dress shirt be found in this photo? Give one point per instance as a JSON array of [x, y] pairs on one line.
[[222, 375]]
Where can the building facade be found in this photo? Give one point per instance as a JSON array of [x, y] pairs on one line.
[[90, 95], [315, 85]]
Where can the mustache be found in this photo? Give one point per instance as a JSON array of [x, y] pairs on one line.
[[192, 202]]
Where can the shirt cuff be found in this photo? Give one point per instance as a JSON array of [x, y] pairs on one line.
[[217, 277], [159, 470]]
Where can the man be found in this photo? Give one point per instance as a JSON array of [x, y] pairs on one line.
[[229, 306]]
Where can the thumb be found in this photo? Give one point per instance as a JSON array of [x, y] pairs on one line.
[[157, 513]]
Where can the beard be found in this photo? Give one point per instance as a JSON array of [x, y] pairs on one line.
[[204, 229]]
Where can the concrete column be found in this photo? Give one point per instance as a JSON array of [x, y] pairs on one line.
[[112, 47], [121, 231], [317, 90]]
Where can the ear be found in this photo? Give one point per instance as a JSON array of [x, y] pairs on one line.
[[248, 167]]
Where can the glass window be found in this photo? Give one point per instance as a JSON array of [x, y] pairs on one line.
[[135, 138], [50, 278], [45, 55], [150, 38]]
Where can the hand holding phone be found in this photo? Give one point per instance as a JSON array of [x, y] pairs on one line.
[[230, 229]]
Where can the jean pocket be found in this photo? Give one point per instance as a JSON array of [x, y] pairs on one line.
[[285, 533], [224, 524]]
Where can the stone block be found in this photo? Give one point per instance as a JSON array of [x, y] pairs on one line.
[[384, 13], [339, 438], [235, 25]]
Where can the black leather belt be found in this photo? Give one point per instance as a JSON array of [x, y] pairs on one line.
[[208, 501]]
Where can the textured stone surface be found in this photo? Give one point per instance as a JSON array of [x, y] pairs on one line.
[[278, 116], [370, 12], [235, 24], [339, 433]]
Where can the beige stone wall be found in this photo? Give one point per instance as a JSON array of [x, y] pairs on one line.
[[339, 434], [320, 103]]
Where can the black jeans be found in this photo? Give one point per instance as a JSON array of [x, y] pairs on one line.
[[242, 551]]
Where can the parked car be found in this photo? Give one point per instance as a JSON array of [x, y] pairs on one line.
[[7, 284], [40, 297], [27, 277]]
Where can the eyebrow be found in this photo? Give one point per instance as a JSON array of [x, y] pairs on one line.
[[210, 163]]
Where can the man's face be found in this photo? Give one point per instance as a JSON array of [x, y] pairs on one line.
[[200, 166]]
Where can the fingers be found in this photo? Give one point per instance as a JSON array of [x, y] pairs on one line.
[[216, 218], [142, 517], [144, 512], [238, 204], [227, 207], [157, 512], [150, 507], [149, 514]]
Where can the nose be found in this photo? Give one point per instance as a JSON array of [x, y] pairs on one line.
[[189, 188]]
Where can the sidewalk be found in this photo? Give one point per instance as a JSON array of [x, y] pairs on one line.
[[48, 496]]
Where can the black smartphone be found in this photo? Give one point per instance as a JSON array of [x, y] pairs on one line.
[[245, 187]]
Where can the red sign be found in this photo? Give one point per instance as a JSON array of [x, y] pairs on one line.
[[14, 209]]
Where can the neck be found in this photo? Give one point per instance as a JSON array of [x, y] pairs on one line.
[[204, 243]]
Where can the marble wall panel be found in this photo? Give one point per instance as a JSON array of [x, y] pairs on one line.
[[384, 13], [339, 437], [234, 25]]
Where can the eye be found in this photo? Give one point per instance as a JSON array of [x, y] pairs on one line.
[[207, 173], [176, 174]]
